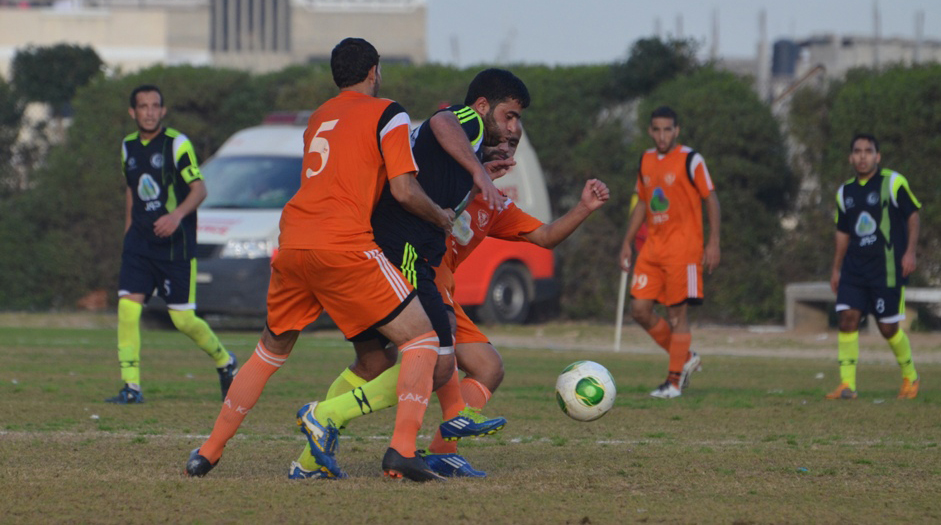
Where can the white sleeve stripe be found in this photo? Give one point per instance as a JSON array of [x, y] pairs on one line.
[[178, 142], [123, 152], [699, 161], [892, 193], [400, 119], [839, 199]]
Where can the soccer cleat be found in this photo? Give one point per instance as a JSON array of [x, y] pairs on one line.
[[842, 392], [227, 374], [666, 391], [323, 439], [693, 364], [197, 466], [299, 472], [397, 466], [909, 389], [470, 423], [451, 466], [127, 396]]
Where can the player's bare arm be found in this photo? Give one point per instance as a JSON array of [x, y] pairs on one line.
[[594, 195], [712, 254], [633, 225], [842, 242], [129, 205], [409, 193], [167, 224], [908, 258], [450, 135]]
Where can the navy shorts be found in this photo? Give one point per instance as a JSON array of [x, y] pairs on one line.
[[422, 277], [171, 280], [887, 304]]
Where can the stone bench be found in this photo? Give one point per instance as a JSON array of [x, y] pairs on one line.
[[807, 305]]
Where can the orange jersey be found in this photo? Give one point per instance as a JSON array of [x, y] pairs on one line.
[[353, 145], [482, 221], [673, 186]]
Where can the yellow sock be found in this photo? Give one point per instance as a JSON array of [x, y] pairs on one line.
[[197, 330], [129, 340], [902, 348], [848, 350], [344, 383]]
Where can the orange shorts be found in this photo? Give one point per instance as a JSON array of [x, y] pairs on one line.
[[668, 284], [357, 289], [467, 331]]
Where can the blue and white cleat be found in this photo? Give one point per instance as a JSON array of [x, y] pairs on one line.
[[127, 396], [469, 423], [323, 439], [299, 472], [452, 466]]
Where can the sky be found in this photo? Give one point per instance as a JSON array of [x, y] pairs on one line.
[[569, 32]]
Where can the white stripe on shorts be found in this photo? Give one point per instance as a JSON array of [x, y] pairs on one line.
[[692, 287], [393, 276]]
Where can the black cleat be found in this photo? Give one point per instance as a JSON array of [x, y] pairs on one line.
[[127, 396], [197, 466], [227, 374], [396, 466]]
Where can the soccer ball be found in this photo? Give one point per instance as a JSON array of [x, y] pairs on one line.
[[585, 390]]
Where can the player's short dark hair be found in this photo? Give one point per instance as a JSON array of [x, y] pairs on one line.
[[145, 88], [665, 112], [864, 136], [351, 61], [497, 85]]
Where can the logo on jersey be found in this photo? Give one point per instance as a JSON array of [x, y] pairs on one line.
[[147, 188], [850, 203], [483, 218], [156, 160], [132, 163], [669, 178], [659, 202], [872, 199], [865, 224]]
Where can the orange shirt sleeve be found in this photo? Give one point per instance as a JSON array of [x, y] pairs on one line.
[[512, 223]]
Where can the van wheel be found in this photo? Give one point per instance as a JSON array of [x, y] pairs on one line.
[[508, 298]]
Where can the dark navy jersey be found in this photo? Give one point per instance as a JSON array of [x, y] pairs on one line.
[[444, 180], [159, 172], [875, 215]]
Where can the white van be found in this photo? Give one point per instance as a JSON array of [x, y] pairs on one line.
[[257, 170]]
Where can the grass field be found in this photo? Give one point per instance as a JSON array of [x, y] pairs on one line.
[[752, 441]]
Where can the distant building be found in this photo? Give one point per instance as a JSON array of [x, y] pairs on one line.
[[254, 35]]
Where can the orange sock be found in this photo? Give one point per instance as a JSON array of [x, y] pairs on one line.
[[245, 390], [475, 393], [414, 388], [661, 334], [452, 402], [679, 353]]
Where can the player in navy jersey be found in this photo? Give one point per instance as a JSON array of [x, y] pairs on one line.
[[447, 150], [164, 188], [877, 235]]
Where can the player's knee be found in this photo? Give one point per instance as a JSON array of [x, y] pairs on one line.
[[184, 320], [129, 311]]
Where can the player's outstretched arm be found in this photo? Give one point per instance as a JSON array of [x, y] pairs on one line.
[[409, 193], [451, 136], [594, 195]]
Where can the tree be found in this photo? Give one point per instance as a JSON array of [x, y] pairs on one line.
[[54, 74], [651, 62], [11, 115]]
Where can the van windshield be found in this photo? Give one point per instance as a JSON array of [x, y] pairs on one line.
[[251, 181]]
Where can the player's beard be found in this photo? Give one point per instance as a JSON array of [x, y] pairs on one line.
[[492, 133]]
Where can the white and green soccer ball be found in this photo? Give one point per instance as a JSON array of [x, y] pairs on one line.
[[585, 390]]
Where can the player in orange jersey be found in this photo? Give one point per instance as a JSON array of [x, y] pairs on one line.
[[328, 260], [672, 182]]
